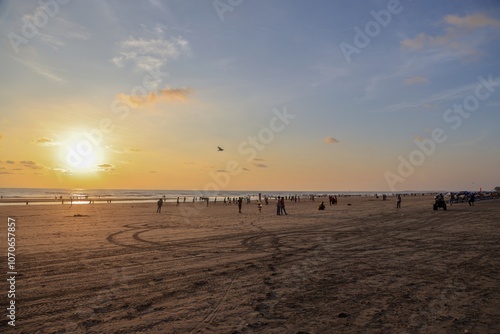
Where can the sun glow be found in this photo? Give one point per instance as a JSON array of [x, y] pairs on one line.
[[79, 155]]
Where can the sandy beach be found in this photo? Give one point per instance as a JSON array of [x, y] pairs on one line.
[[361, 268]]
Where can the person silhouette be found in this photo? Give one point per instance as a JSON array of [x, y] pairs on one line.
[[159, 203], [240, 202], [283, 211]]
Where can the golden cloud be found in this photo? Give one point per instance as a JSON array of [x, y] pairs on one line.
[[457, 27], [162, 96], [46, 142], [331, 140], [473, 21]]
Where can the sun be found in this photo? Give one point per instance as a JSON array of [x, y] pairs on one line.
[[79, 154]]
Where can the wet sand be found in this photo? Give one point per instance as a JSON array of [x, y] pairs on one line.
[[363, 268]]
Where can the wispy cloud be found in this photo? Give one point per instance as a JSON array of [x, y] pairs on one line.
[[46, 142], [474, 21], [31, 164], [471, 142], [431, 102], [459, 34], [259, 163], [152, 51], [105, 167], [42, 70]]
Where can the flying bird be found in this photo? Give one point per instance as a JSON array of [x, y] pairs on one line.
[[219, 149]]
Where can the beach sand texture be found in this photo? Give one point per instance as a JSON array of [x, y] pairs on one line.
[[363, 268]]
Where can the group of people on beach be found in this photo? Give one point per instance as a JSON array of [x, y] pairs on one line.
[[280, 206]]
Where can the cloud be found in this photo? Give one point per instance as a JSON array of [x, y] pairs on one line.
[[152, 51], [105, 167], [153, 172], [46, 142], [259, 163], [42, 70], [416, 43], [161, 96], [5, 173], [471, 142], [418, 139], [458, 35], [416, 80], [245, 169], [474, 21], [31, 164], [10, 162], [331, 140], [135, 150], [157, 4], [440, 99]]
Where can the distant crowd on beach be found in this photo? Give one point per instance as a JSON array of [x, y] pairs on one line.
[[280, 201], [266, 199]]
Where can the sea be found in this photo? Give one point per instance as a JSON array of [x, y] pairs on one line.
[[45, 195]]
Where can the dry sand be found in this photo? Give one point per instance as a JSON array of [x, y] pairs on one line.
[[364, 268]]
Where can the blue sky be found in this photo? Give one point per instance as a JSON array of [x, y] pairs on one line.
[[197, 74]]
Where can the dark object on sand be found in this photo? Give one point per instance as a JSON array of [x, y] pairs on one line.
[[439, 202]]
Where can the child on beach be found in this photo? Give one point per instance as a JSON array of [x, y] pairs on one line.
[[259, 205]]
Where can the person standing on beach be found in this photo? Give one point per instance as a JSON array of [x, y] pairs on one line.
[[472, 198], [278, 206], [240, 202], [159, 203], [398, 203], [283, 211]]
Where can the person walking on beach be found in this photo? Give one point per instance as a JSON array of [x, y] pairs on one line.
[[398, 203], [472, 198], [278, 206], [283, 211], [240, 202], [159, 203]]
